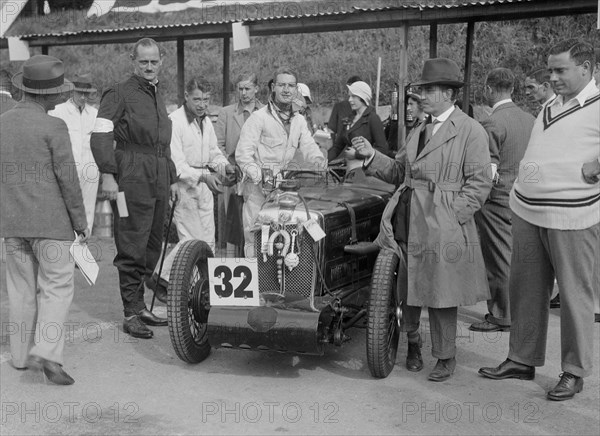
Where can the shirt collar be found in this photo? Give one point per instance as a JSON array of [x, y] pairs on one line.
[[5, 92], [443, 116], [589, 90], [250, 107], [191, 117], [506, 100], [75, 108]]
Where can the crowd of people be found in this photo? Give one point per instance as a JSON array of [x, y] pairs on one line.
[[519, 196]]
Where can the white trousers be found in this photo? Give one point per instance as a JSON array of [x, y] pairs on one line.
[[37, 323]]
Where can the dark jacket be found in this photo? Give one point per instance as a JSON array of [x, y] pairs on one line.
[[369, 126], [139, 122], [39, 187], [509, 129]]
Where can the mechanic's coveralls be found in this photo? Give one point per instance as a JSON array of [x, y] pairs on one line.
[[267, 142], [193, 145], [133, 114]]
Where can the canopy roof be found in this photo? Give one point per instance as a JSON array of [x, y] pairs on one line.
[[77, 29]]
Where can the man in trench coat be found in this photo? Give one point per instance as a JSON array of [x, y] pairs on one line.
[[444, 177]]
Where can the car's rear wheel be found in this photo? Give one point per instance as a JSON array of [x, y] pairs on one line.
[[383, 328], [188, 302]]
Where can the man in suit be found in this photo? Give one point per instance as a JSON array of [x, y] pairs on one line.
[[556, 227], [428, 222], [509, 129], [228, 128], [80, 117], [41, 207], [7, 101]]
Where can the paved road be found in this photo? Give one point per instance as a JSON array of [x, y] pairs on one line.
[[128, 386]]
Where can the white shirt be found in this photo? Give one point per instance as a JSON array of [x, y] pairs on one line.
[[506, 100], [439, 120], [80, 125]]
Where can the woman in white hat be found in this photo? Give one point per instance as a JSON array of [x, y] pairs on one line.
[[365, 123]]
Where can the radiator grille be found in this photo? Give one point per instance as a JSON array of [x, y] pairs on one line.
[[301, 280]]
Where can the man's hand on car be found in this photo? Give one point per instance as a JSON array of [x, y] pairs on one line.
[[363, 148]]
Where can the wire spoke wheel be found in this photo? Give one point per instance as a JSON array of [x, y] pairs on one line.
[[383, 326], [188, 302]]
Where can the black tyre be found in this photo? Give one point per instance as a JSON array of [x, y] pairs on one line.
[[188, 302], [383, 313]]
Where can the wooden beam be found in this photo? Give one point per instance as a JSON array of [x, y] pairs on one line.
[[468, 61], [402, 82], [226, 62], [180, 69], [433, 39]]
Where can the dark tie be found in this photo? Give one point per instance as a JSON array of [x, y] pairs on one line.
[[426, 134], [246, 115]]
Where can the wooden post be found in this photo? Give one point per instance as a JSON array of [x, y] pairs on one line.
[[226, 61], [180, 70], [433, 36], [402, 82], [378, 83], [468, 67]]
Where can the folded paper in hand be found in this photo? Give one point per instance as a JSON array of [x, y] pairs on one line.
[[85, 261]]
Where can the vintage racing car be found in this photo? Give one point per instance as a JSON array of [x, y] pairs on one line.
[[316, 274]]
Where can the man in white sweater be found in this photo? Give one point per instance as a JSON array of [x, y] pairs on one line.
[[556, 226]]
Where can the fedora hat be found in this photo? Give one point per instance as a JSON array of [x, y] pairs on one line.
[[440, 71], [42, 74], [83, 83]]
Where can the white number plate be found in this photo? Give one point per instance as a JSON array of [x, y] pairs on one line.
[[233, 282]]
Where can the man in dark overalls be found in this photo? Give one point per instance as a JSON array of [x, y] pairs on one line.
[[133, 114]]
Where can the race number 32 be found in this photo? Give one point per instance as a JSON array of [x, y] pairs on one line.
[[233, 282]]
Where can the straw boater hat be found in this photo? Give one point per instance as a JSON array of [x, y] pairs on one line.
[[440, 71], [42, 74], [83, 83]]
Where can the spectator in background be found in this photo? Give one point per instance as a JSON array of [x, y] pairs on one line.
[[132, 113], [556, 224], [80, 118], [6, 99], [538, 87], [415, 110], [38, 217], [341, 111], [304, 93], [364, 122], [228, 128], [509, 129]]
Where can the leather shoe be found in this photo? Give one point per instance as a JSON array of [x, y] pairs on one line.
[[444, 368], [567, 387], [52, 370], [509, 369], [414, 360], [486, 326], [555, 302], [136, 328], [149, 318], [159, 290]]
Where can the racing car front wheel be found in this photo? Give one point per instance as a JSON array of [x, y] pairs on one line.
[[383, 329], [188, 301]]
